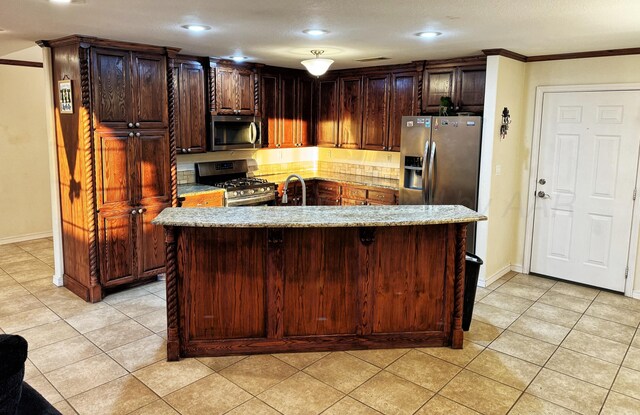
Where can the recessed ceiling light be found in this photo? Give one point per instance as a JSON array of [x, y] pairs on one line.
[[428, 34], [315, 32], [239, 58], [196, 27]]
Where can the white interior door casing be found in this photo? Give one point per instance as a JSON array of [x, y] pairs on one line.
[[588, 160]]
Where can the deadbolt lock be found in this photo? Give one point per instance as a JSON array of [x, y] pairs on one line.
[[542, 181]]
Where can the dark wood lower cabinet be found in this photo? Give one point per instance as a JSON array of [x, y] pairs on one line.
[[243, 291]]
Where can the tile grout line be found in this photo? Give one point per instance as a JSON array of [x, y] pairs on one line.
[[617, 374]]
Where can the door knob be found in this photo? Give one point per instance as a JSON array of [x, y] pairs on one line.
[[543, 195], [542, 181]]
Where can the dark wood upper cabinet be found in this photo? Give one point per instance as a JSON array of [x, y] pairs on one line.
[[288, 111], [226, 90], [327, 128], [112, 88], [350, 112], [190, 107], [246, 91], [461, 79], [270, 109], [305, 105], [150, 90], [404, 101], [470, 87], [130, 90], [234, 90], [376, 112], [438, 83], [287, 106]]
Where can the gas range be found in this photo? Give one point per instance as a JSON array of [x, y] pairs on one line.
[[232, 176]]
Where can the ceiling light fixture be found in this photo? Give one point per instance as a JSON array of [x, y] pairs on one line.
[[239, 58], [196, 27], [317, 66], [315, 32], [428, 34]]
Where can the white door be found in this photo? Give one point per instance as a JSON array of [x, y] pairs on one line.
[[585, 186]]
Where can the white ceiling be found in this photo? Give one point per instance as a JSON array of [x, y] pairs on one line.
[[270, 31]]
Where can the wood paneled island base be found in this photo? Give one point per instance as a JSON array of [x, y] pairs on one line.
[[245, 290]]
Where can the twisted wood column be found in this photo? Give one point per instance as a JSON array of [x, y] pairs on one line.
[[461, 248], [171, 100], [173, 342], [89, 174]]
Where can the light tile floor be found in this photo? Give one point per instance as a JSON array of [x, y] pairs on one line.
[[536, 346]]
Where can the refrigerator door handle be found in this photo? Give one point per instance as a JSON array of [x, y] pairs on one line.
[[432, 183], [425, 182]]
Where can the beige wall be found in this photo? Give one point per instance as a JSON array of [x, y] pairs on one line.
[[609, 70], [502, 181], [24, 164]]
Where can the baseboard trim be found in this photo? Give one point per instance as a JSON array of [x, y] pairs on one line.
[[636, 294], [496, 276], [25, 237], [517, 268]]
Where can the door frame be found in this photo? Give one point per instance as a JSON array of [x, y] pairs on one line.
[[533, 174]]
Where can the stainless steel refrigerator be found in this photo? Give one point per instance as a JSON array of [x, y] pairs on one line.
[[440, 163]]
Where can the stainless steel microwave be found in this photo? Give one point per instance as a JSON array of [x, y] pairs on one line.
[[230, 132]]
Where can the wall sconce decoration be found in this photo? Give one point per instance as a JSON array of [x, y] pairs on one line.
[[506, 120]]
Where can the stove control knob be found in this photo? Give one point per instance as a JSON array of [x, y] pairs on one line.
[[235, 193]]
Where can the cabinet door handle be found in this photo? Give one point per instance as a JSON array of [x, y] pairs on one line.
[[130, 125], [137, 134], [188, 150], [133, 212], [137, 125], [142, 210], [130, 134], [184, 150]]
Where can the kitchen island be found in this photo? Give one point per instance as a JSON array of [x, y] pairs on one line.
[[271, 279]]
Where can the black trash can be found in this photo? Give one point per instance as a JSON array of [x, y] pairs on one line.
[[472, 269]]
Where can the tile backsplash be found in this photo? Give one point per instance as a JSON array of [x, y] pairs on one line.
[[275, 161]]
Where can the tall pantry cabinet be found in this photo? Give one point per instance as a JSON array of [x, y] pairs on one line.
[[116, 160]]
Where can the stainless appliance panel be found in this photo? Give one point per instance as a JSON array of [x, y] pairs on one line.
[[454, 165], [415, 133], [229, 132]]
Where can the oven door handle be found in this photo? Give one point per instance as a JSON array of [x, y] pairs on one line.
[[254, 133]]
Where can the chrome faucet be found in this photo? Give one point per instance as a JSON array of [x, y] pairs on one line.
[[286, 185]]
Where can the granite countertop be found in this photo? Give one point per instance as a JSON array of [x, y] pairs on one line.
[[335, 177], [316, 216], [196, 189]]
